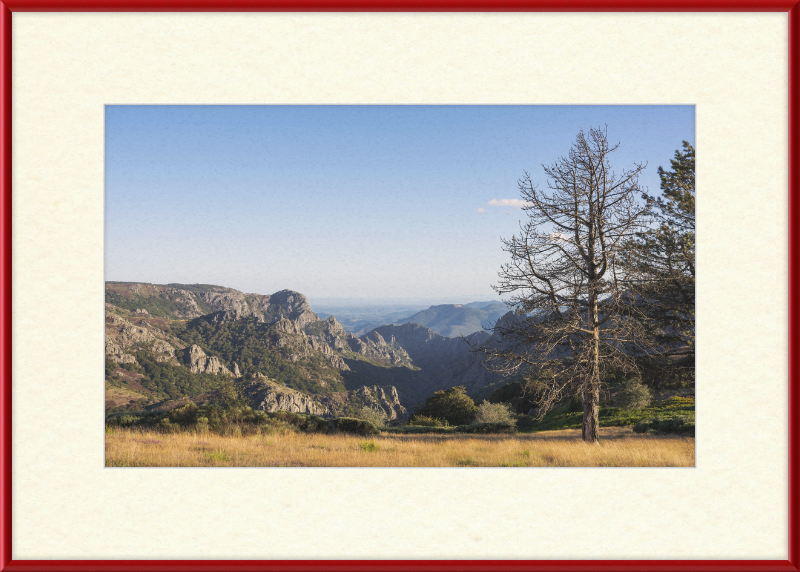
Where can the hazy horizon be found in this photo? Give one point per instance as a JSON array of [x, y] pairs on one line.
[[373, 205]]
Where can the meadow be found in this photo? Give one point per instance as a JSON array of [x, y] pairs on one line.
[[619, 447]]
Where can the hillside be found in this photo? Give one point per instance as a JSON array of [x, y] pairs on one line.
[[455, 320], [170, 342]]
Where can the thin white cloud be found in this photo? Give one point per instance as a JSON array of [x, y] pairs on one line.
[[480, 210], [558, 237], [516, 203]]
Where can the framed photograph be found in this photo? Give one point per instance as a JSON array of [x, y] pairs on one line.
[[270, 205]]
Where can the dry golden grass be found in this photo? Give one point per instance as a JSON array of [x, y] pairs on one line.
[[619, 447]]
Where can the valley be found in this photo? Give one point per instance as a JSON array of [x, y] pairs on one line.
[[166, 344]]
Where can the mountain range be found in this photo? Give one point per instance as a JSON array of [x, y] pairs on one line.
[[455, 320], [169, 343]]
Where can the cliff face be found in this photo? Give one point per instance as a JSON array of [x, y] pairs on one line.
[[267, 395], [198, 362], [123, 337], [180, 301], [382, 398]]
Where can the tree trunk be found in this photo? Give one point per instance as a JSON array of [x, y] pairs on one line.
[[591, 393], [591, 413]]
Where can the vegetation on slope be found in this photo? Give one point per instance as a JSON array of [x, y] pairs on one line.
[[258, 348]]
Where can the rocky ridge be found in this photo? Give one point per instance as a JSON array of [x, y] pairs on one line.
[[373, 366]]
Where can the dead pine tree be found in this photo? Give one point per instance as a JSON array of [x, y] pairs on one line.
[[573, 294]]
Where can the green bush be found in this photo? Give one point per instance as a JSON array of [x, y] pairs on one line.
[[632, 394], [414, 429], [374, 415], [237, 421], [276, 426], [495, 413], [185, 415], [486, 428], [357, 426], [426, 421], [126, 419], [369, 446], [304, 422], [452, 405], [674, 424]]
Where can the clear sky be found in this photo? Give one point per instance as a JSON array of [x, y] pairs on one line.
[[390, 203]]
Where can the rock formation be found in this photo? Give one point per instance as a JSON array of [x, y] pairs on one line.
[[198, 362], [268, 395]]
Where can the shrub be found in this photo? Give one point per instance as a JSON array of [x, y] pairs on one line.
[[369, 446], [275, 426], [218, 456], [426, 421], [495, 413], [183, 415], [633, 394], [303, 422], [525, 422], [575, 404], [665, 425], [452, 405], [486, 428], [406, 429], [376, 416], [357, 426], [124, 419]]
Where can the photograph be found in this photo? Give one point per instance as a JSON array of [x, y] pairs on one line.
[[461, 286]]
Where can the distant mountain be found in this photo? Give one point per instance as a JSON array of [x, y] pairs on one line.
[[456, 320]]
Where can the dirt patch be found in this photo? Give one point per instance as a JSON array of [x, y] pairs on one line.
[[131, 379], [117, 396]]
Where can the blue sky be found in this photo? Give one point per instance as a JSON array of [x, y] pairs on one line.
[[384, 203]]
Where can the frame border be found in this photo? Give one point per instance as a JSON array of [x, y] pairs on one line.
[[7, 7]]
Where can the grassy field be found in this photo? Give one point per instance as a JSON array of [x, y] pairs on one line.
[[562, 418], [619, 447]]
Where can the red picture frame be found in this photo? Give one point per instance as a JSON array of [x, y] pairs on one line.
[[9, 6]]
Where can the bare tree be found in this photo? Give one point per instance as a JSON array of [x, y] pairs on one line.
[[573, 295]]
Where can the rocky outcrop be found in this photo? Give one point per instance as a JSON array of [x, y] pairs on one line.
[[116, 354], [228, 300], [268, 395], [124, 337], [125, 334], [383, 398], [198, 362], [374, 346], [292, 306], [164, 352]]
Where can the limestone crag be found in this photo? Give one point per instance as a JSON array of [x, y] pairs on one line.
[[268, 395], [374, 346], [227, 300], [125, 333], [194, 301], [198, 362], [116, 354], [383, 398], [227, 316], [124, 337]]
